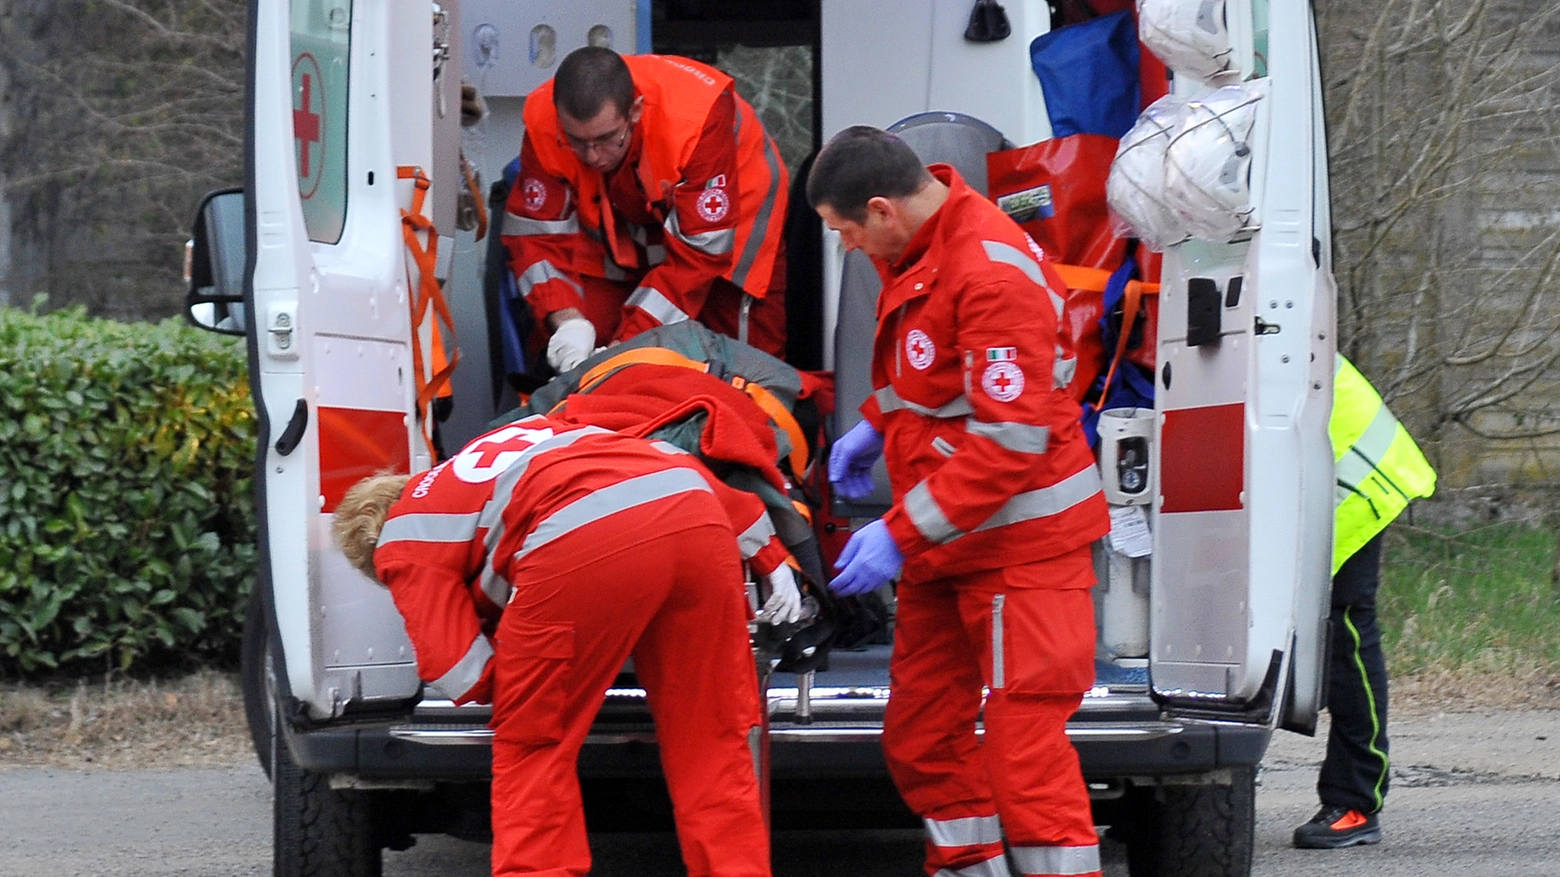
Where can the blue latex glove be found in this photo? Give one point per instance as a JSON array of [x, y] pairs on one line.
[[870, 560], [851, 460]]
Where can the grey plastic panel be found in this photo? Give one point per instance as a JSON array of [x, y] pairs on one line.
[[950, 138]]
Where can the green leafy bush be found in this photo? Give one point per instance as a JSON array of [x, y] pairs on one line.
[[127, 529]]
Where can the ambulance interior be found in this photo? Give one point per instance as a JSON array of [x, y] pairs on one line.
[[1128, 173]]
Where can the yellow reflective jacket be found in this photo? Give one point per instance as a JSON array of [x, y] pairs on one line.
[[1378, 466]]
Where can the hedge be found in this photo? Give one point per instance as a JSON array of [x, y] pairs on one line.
[[127, 527]]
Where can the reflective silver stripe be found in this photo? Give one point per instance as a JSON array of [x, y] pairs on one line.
[[430, 528], [651, 301], [611, 271], [755, 537], [715, 243], [966, 832], [467, 672], [992, 867], [666, 447], [761, 220], [888, 400], [655, 254], [1020, 437], [1374, 443], [1057, 860], [935, 527], [998, 654], [1063, 369], [1008, 254], [742, 319], [542, 272], [609, 501], [1046, 501], [524, 225], [928, 516], [496, 587]]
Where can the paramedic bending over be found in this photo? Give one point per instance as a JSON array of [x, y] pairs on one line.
[[648, 194], [996, 501], [602, 546]]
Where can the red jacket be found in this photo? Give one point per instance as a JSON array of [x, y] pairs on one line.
[[701, 194], [451, 541], [988, 464]]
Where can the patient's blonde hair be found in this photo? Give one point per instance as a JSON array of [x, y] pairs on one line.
[[361, 515]]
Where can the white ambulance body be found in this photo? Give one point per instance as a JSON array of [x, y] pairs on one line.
[[351, 101]]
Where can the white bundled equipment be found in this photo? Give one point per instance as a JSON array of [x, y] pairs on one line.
[[1135, 188], [1190, 36], [1208, 163]]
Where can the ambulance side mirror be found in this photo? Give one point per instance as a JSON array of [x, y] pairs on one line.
[[214, 260]]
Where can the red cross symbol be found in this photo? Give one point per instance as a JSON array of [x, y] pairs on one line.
[[1003, 382], [308, 123], [919, 349], [490, 452]]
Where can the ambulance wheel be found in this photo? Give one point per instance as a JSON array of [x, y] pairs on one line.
[[319, 831], [1193, 830]]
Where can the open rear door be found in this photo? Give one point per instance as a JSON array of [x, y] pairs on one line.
[[333, 117], [1242, 541]]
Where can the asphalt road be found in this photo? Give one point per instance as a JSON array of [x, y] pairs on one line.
[[1472, 794]]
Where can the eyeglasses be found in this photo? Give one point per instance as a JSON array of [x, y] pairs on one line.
[[596, 144]]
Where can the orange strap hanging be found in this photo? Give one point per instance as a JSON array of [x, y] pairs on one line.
[[426, 295], [1095, 280], [760, 395]]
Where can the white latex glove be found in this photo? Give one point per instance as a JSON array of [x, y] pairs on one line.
[[572, 343], [785, 599]]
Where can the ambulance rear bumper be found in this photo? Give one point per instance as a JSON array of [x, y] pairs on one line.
[[1115, 736]]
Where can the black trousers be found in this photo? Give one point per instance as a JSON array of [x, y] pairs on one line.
[[1354, 773]]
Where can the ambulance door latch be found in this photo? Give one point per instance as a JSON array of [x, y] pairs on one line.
[[280, 323], [293, 434]]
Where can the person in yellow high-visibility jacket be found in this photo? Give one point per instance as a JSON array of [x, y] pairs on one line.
[[1379, 471]]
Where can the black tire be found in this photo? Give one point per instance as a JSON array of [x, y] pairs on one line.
[[254, 678], [319, 831], [1193, 830]]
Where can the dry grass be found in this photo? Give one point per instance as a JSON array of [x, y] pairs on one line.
[[194, 721], [1451, 691]]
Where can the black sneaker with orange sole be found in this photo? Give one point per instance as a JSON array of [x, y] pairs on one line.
[[1336, 827]]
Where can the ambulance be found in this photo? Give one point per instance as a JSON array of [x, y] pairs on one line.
[[343, 257]]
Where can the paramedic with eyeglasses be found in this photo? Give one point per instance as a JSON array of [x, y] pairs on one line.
[[996, 500], [648, 193], [528, 567]]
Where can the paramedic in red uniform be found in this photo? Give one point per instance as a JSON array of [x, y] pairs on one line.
[[996, 502], [528, 567], [648, 193]]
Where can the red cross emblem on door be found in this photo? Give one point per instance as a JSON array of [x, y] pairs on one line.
[[308, 123]]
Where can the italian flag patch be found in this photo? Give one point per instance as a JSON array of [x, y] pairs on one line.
[[1001, 354]]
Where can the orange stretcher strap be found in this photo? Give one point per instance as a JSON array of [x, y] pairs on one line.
[[1095, 280], [427, 296], [638, 356], [767, 401]]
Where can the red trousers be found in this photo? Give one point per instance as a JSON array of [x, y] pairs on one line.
[[1027, 634], [722, 312], [582, 604]]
